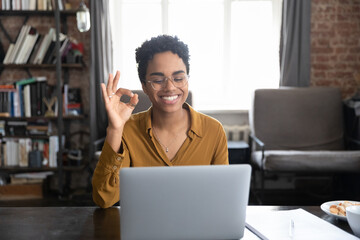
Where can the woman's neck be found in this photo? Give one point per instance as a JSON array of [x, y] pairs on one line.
[[170, 122]]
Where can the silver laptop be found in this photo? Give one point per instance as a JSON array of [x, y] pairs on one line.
[[185, 202]]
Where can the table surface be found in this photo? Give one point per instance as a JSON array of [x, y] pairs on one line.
[[91, 222]]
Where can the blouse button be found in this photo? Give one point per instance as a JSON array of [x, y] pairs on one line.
[[118, 158], [114, 167]]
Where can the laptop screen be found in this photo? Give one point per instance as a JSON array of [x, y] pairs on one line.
[[184, 202]]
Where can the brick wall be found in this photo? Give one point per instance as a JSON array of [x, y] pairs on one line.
[[335, 44]]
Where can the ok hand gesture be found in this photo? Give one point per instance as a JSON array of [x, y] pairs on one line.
[[118, 112]]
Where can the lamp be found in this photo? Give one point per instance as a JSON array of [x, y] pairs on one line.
[[83, 17]]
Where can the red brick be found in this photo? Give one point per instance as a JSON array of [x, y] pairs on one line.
[[334, 58], [355, 50], [323, 42], [321, 50], [348, 58], [319, 66], [322, 58], [319, 74], [324, 26], [341, 50], [344, 1], [322, 34], [340, 66]]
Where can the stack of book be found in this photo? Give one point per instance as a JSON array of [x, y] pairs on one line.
[[24, 98], [34, 48], [16, 152], [30, 177]]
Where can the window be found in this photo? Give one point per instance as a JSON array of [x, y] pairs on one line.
[[234, 44]]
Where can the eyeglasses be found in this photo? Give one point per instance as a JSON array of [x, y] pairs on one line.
[[159, 82]]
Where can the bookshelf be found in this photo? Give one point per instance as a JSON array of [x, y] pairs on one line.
[[60, 122]]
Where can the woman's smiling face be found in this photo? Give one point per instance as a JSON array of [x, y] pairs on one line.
[[169, 98]]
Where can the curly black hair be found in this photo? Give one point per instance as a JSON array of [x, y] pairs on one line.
[[159, 44]]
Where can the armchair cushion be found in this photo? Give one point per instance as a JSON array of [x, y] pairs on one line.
[[305, 161]]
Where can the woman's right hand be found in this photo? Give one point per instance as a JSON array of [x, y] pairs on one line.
[[118, 112]]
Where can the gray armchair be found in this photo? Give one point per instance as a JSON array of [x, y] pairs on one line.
[[299, 130]]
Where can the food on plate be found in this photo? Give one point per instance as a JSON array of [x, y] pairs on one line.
[[340, 208]]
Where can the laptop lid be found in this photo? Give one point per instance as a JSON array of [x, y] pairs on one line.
[[184, 202]]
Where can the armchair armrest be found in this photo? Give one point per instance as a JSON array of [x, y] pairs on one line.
[[259, 143], [97, 143], [352, 143]]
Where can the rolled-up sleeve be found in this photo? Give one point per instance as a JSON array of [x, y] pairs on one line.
[[105, 180]]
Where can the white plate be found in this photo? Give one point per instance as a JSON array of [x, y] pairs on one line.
[[326, 208]]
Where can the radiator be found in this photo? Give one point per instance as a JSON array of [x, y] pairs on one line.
[[237, 132]]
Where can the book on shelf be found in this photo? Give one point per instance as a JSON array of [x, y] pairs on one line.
[[27, 101], [11, 153], [18, 44], [2, 129], [28, 42], [6, 95], [29, 45], [24, 149], [53, 149], [49, 52], [31, 5], [40, 54], [35, 49], [9, 53]]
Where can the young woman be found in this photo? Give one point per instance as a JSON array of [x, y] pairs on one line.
[[170, 133]]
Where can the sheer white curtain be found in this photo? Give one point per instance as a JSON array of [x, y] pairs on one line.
[[234, 44]]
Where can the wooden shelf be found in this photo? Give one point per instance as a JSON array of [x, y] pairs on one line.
[[73, 168], [29, 119], [35, 13], [17, 169], [27, 136], [64, 65]]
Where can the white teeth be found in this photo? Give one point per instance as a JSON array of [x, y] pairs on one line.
[[170, 98]]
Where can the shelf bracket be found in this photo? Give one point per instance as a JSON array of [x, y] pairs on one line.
[[6, 33], [28, 72]]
